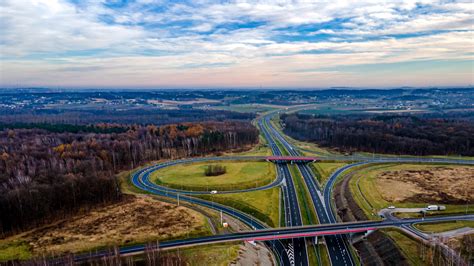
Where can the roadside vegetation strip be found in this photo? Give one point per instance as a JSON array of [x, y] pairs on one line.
[[216, 254], [409, 246], [304, 199], [323, 254], [443, 226], [124, 179], [282, 149], [364, 196], [282, 208], [239, 175], [359, 196], [312, 251], [263, 204], [325, 169]]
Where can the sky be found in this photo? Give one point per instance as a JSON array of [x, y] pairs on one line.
[[298, 44]]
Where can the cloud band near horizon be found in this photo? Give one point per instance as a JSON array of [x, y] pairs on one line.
[[152, 43]]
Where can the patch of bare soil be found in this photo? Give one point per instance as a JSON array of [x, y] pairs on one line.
[[250, 254], [135, 219], [377, 249], [450, 185]]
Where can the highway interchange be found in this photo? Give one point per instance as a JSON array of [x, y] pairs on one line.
[[288, 242]]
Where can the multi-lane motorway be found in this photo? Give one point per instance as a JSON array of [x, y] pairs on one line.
[[282, 233], [287, 243], [337, 245], [296, 249]]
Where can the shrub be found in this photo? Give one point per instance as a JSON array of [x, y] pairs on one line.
[[215, 170]]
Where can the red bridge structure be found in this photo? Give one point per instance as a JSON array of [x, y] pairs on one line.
[[366, 231], [291, 159]]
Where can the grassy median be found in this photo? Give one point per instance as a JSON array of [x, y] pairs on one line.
[[307, 208]]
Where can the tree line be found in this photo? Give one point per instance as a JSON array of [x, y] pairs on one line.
[[393, 134], [117, 115], [46, 175]]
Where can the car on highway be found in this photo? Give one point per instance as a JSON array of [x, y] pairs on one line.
[[213, 191], [391, 207]]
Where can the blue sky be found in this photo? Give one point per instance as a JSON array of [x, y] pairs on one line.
[[153, 43]]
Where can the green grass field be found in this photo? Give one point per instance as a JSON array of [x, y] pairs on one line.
[[444, 226], [369, 198], [325, 169], [262, 204], [239, 175]]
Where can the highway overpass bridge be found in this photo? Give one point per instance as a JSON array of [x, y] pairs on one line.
[[279, 233], [291, 159]]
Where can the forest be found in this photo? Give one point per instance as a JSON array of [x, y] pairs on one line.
[[390, 134], [48, 174], [122, 116]]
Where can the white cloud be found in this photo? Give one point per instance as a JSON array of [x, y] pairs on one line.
[[51, 41]]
